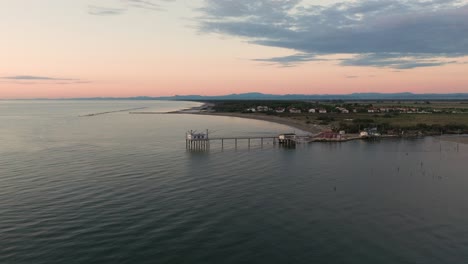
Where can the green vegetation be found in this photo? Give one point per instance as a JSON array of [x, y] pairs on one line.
[[242, 106], [395, 124], [392, 117]]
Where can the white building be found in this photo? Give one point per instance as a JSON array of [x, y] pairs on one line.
[[343, 110], [262, 108], [322, 111], [280, 110], [295, 111], [312, 110]]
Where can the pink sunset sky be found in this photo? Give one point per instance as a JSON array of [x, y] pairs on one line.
[[124, 48]]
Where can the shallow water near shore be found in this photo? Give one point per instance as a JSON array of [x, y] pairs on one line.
[[121, 188]]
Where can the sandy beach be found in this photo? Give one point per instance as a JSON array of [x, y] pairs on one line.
[[311, 128]]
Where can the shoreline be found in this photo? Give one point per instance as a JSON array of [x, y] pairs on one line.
[[312, 128], [205, 110]]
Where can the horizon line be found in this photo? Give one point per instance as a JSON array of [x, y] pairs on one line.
[[237, 94]]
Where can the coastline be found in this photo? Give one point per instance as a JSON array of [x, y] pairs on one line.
[[314, 129], [311, 128], [205, 109]]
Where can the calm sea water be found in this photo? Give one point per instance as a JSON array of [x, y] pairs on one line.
[[121, 188]]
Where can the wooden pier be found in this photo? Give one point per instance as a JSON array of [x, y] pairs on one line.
[[201, 141], [248, 139]]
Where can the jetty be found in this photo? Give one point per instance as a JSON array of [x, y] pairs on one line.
[[111, 112]]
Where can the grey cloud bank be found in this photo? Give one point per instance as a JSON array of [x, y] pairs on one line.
[[385, 33]]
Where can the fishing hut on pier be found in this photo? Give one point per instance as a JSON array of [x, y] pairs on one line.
[[287, 140], [197, 141]]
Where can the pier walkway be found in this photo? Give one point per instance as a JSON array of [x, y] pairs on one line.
[[201, 141]]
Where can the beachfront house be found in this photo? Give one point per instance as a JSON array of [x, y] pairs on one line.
[[251, 110], [385, 110], [364, 134], [342, 110], [280, 110], [295, 111], [262, 108]]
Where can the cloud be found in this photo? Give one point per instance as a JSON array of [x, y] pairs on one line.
[[104, 11], [400, 61], [125, 5], [292, 60], [29, 79], [152, 5], [36, 78], [419, 31]]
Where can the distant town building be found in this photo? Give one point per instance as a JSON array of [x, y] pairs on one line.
[[342, 110], [252, 109], [295, 111], [262, 108], [280, 110], [322, 111], [312, 110]]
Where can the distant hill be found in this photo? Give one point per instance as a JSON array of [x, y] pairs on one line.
[[261, 96]]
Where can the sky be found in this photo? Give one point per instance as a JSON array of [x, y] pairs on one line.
[[124, 48]]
